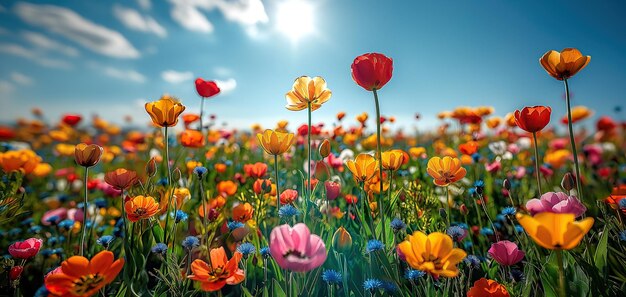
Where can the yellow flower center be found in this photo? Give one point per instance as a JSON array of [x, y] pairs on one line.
[[86, 283], [217, 273], [447, 176], [140, 212]]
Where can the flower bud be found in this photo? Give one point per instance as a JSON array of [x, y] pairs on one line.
[[325, 148], [87, 155], [333, 190], [16, 272], [506, 184], [342, 240], [151, 168], [464, 210], [567, 182], [176, 175]]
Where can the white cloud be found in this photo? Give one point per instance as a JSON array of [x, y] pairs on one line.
[[226, 86], [132, 19], [6, 87], [43, 42], [71, 25], [37, 57], [187, 15], [21, 78], [145, 4], [176, 77], [129, 74], [248, 13], [222, 71]]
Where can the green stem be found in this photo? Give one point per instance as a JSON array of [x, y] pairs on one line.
[[562, 288], [276, 181], [85, 215], [201, 113], [448, 206], [381, 206], [308, 164], [169, 183], [537, 163], [573, 141]]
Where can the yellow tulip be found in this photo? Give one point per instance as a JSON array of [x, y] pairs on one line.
[[363, 167], [555, 231], [392, 160], [274, 142], [445, 171], [307, 91], [165, 111], [433, 253], [565, 64]]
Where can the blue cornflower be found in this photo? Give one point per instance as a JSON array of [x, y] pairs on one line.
[[509, 211], [372, 284], [58, 251], [332, 277], [246, 249], [27, 221], [288, 211], [265, 252], [622, 235], [56, 239], [42, 292], [100, 202], [180, 216], [191, 242], [486, 231], [457, 233], [234, 225], [374, 245], [497, 225], [500, 217], [413, 274], [53, 220], [472, 261], [390, 287], [519, 229], [463, 225], [622, 203], [397, 225], [66, 224], [159, 249], [476, 157], [162, 182], [47, 252], [479, 185], [200, 171], [468, 244], [34, 229], [105, 241]]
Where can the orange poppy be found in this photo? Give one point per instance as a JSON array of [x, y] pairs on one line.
[[243, 212], [256, 170], [140, 207], [215, 203], [469, 148], [487, 288], [192, 138], [617, 194], [221, 271], [79, 276], [226, 188], [579, 113], [190, 118], [121, 178], [565, 64], [445, 171]]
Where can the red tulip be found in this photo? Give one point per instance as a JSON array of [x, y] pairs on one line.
[[71, 119], [206, 88], [533, 119], [25, 249], [372, 71]]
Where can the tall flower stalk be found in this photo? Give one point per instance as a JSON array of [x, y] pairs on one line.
[[205, 89], [86, 155], [275, 143], [573, 140]]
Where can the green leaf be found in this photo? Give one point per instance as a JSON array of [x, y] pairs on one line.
[[277, 290], [601, 250]]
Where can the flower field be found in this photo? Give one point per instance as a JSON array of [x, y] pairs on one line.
[[481, 206]]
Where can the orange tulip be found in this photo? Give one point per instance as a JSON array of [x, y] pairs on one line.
[[226, 188], [23, 160], [579, 113], [87, 155], [392, 160], [555, 231], [274, 142], [121, 178], [256, 170], [565, 64], [307, 92], [219, 273], [79, 276], [363, 167], [165, 111], [433, 253]]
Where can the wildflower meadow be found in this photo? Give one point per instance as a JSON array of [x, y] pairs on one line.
[[482, 206]]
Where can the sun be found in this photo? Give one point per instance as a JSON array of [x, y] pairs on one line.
[[295, 19]]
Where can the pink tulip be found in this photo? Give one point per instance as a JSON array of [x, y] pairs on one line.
[[25, 249], [59, 213], [557, 203], [506, 253], [295, 249], [333, 190]]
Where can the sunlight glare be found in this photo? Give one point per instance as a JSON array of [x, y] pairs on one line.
[[295, 19]]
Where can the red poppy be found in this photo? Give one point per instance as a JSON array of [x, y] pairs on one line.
[[71, 119], [206, 88], [606, 123], [372, 71], [533, 119]]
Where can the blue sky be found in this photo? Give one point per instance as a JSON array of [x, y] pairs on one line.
[[108, 57]]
